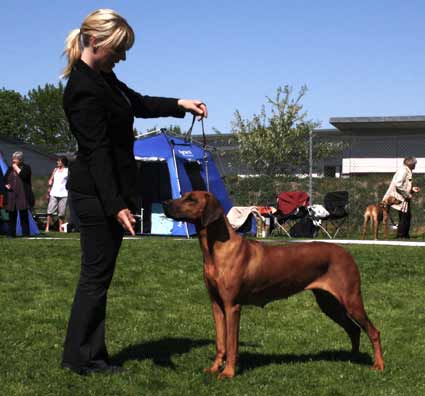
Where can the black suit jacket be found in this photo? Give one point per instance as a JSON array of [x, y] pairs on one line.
[[101, 110]]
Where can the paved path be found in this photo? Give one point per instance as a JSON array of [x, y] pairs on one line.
[[337, 241]]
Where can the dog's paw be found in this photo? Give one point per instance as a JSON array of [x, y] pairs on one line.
[[226, 373], [213, 369], [378, 366]]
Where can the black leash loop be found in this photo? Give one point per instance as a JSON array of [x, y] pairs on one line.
[[188, 136]]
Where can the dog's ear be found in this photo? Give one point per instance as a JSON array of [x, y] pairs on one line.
[[212, 210]]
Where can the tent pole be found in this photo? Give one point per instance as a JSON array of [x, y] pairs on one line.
[[310, 171]]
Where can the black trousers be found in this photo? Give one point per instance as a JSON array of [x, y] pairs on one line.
[[23, 216], [404, 223], [100, 239]]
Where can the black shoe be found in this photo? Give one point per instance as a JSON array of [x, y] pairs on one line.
[[98, 367]]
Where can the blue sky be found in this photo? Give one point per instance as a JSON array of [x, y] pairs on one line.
[[358, 58]]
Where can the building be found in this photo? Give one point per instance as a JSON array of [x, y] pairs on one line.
[[372, 145], [375, 144]]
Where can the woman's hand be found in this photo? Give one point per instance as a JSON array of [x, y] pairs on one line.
[[196, 107], [126, 219], [8, 186], [16, 167]]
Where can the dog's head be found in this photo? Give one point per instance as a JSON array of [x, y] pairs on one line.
[[200, 207], [387, 202]]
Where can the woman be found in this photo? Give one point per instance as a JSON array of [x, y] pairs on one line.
[[401, 189], [100, 110], [58, 194], [20, 197]]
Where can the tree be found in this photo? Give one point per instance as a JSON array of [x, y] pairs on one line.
[[173, 129], [13, 115], [46, 119], [279, 143]]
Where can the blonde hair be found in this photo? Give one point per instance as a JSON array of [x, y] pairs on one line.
[[108, 27]]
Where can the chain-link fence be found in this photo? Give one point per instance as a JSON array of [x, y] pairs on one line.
[[364, 169]]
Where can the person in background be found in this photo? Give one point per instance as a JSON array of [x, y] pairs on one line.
[[401, 188], [102, 180], [58, 194], [20, 197]]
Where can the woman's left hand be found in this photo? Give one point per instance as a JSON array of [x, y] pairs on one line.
[[196, 107]]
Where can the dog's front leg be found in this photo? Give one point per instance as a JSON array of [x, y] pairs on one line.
[[220, 337], [375, 227], [366, 220], [385, 223], [233, 313]]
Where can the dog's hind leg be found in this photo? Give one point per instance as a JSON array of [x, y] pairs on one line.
[[357, 313], [336, 311]]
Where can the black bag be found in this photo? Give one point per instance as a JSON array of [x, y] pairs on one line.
[[303, 228]]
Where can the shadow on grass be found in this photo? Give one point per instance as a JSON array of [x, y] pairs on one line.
[[249, 361], [160, 351]]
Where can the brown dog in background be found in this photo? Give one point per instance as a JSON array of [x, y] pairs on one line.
[[239, 271], [376, 214]]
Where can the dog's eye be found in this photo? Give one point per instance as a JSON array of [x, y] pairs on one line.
[[191, 199]]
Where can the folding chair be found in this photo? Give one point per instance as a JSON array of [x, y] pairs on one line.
[[336, 203], [291, 207]]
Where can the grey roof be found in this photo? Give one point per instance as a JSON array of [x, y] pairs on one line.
[[357, 124]]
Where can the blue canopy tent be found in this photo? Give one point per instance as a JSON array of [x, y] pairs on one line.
[[3, 214], [3, 165], [169, 166]]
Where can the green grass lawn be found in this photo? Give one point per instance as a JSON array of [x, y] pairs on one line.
[[160, 327]]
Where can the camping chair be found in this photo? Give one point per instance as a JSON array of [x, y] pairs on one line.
[[336, 204], [291, 207]]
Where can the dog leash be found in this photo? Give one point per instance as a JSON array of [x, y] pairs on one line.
[[188, 136], [188, 139]]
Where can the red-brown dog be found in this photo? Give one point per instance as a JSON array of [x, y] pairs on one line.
[[238, 271], [376, 214]]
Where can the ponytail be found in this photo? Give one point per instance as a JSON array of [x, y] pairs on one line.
[[108, 27], [72, 51]]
